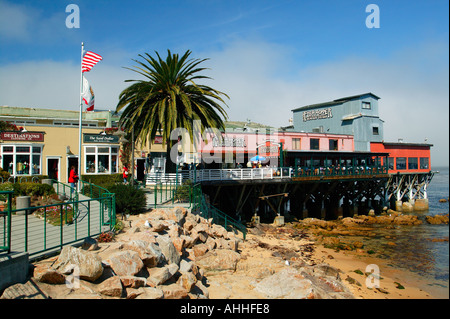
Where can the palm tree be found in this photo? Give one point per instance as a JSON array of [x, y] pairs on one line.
[[169, 98]]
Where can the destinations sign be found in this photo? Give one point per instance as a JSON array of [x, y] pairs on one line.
[[317, 114], [22, 136], [99, 138]]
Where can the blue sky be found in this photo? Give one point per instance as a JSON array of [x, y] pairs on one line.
[[268, 56]]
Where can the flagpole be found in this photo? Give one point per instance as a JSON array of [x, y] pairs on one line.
[[80, 116]]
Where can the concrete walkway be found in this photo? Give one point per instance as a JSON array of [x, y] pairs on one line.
[[31, 234]]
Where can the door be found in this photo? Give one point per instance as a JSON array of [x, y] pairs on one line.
[[53, 168], [140, 169], [71, 161]]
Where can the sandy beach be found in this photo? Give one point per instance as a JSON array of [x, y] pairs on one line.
[[259, 254]]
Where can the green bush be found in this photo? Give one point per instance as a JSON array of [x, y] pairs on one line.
[[183, 192], [4, 175], [129, 199], [104, 181], [32, 189]]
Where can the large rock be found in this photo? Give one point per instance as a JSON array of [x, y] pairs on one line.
[[125, 263], [178, 214], [187, 281], [89, 264], [287, 283], [133, 281], [158, 276], [47, 274], [150, 293], [168, 249], [111, 287], [149, 253], [174, 291], [437, 219], [218, 260]]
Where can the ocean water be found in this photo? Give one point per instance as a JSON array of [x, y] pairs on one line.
[[423, 249]]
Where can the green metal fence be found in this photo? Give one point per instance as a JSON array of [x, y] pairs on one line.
[[5, 221], [39, 230], [169, 193], [200, 204]]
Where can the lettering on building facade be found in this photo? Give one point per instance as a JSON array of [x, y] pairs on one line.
[[22, 136], [317, 114], [229, 142], [98, 138]]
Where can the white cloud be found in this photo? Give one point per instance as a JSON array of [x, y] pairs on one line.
[[28, 24], [14, 21], [56, 85]]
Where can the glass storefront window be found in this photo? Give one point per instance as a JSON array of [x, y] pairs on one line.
[[8, 164], [21, 159], [101, 159], [113, 164], [103, 164], [36, 168], [90, 163]]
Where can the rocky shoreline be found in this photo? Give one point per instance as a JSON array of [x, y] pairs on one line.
[[175, 254]]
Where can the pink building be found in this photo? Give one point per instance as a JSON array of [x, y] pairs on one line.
[[237, 147]]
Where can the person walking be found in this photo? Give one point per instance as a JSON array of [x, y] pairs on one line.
[[125, 175], [73, 180]]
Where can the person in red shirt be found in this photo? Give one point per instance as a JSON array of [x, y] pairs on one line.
[[125, 174], [73, 179]]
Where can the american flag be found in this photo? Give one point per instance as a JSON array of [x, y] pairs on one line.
[[89, 60]]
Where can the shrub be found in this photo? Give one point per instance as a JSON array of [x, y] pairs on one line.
[[105, 181], [32, 189], [129, 199], [4, 174], [183, 192]]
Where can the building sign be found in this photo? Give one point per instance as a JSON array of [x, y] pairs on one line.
[[317, 114], [158, 140], [229, 142], [22, 136], [269, 149], [99, 138]]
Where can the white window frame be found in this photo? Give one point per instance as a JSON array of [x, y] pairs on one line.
[[365, 105], [14, 153], [96, 154]]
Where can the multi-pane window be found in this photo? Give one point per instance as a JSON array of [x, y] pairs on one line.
[[21, 159], [101, 159], [366, 105]]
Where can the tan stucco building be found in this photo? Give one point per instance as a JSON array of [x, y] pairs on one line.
[[47, 143]]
